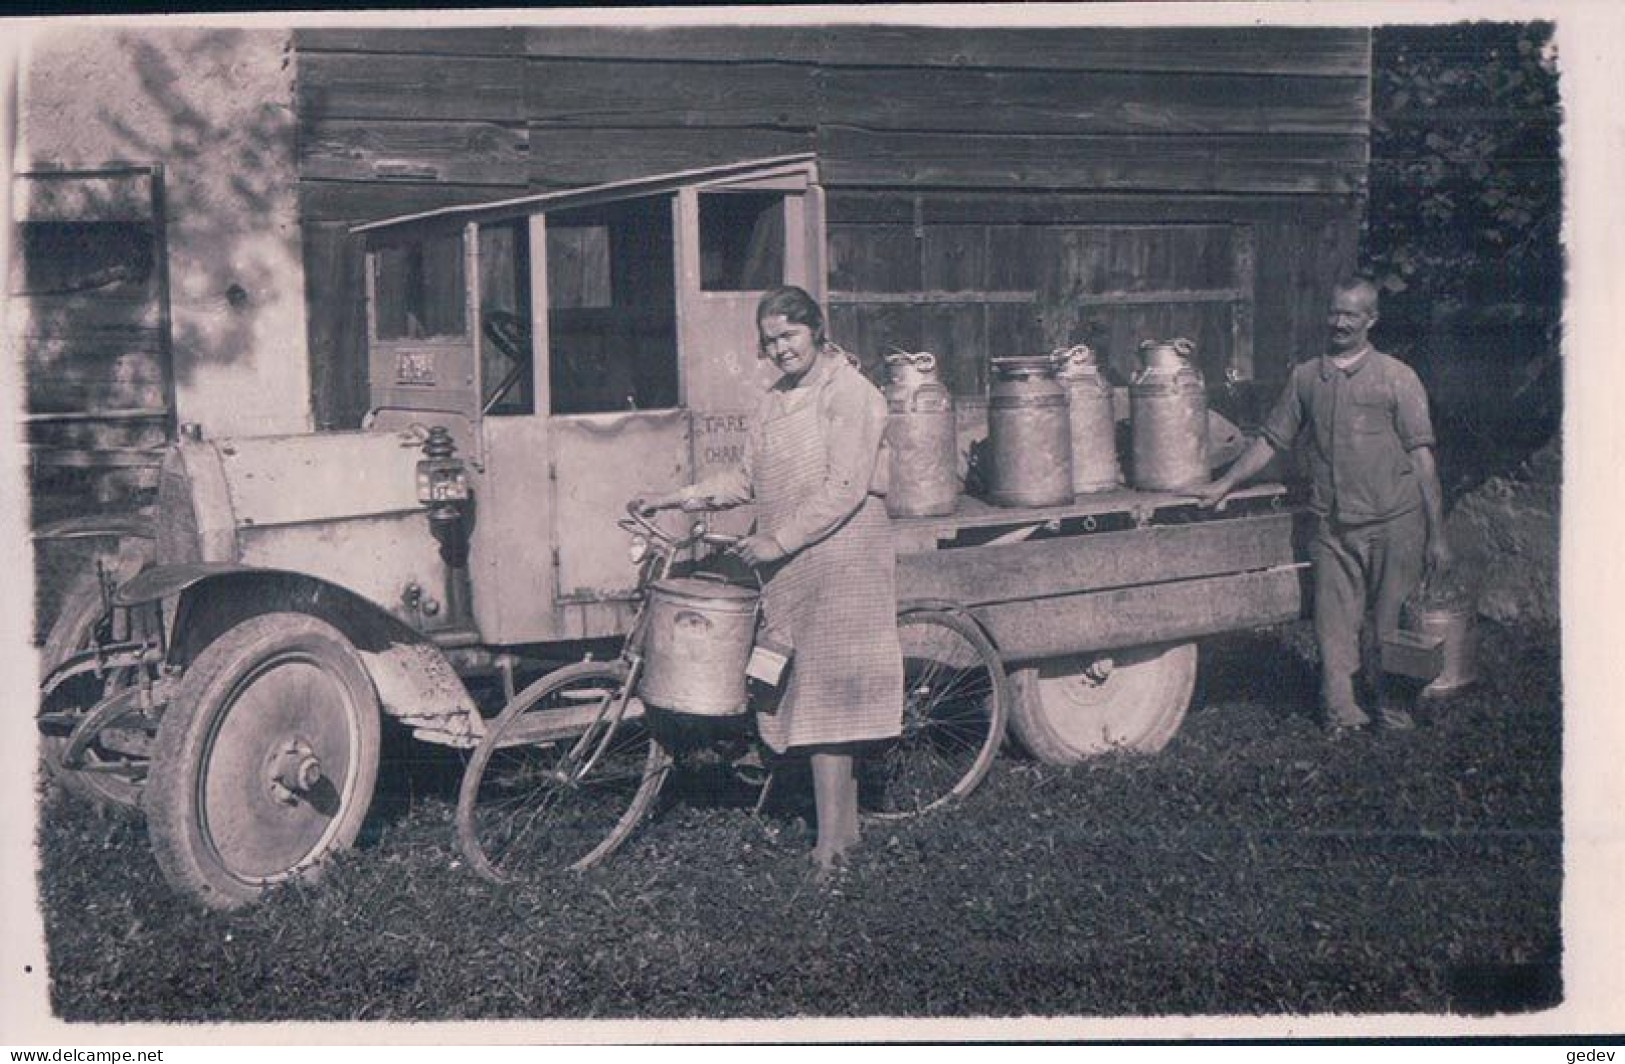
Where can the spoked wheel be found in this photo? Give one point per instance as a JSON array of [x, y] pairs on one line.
[[955, 707], [561, 778], [266, 759]]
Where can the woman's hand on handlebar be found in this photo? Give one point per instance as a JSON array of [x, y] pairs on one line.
[[757, 550], [649, 505], [645, 505]]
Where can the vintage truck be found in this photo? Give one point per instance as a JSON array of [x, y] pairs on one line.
[[533, 364]]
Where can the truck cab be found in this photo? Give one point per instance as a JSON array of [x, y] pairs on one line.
[[580, 347]]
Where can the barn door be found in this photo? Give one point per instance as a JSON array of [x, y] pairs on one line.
[[90, 315]]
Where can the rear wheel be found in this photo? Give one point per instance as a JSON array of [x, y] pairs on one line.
[[1068, 709], [955, 706], [266, 759], [562, 777]]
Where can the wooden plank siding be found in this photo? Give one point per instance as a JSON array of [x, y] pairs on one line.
[[951, 157], [414, 121], [663, 95], [369, 149], [796, 96], [335, 281], [463, 40], [571, 157], [1175, 109], [89, 321], [988, 290], [1326, 164], [1300, 245], [1327, 52], [415, 87], [1091, 102]]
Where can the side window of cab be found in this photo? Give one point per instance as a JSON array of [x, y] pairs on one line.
[[612, 308]]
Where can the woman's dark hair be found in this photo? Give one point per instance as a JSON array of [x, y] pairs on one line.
[[796, 307]]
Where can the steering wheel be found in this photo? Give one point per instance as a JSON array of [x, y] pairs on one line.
[[510, 334]]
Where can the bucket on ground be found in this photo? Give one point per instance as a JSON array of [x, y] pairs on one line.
[[1451, 625]]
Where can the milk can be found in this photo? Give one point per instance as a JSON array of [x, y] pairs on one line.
[[699, 638], [923, 442], [1029, 433], [1168, 409], [1442, 612], [1094, 426]]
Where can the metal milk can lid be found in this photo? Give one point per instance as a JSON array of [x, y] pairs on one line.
[[1166, 354], [1015, 366]]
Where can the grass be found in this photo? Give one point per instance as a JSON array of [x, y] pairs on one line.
[[1252, 867]]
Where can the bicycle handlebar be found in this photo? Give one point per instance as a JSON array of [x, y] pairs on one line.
[[698, 533], [643, 522]]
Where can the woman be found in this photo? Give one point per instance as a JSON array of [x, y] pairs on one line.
[[823, 545]]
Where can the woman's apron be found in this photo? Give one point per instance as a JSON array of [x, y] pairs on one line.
[[834, 602]]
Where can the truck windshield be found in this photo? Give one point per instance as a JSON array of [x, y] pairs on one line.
[[505, 319]]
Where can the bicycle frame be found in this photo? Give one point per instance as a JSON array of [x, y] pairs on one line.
[[653, 569]]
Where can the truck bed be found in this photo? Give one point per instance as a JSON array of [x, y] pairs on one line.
[[976, 522], [1117, 569]]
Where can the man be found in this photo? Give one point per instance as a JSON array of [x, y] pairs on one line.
[[1379, 511]]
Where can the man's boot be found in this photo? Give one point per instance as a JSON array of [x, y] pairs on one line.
[[1393, 710], [1341, 713]]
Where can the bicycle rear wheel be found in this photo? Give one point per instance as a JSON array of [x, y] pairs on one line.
[[956, 705], [562, 777]]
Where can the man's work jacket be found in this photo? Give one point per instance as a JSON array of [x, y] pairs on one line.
[[1361, 423]]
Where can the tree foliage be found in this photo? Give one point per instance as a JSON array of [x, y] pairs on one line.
[[1465, 201]]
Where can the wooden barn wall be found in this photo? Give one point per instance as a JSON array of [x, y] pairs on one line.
[[392, 122], [940, 148], [975, 276]]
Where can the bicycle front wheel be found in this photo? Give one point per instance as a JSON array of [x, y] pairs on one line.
[[561, 778], [956, 704]]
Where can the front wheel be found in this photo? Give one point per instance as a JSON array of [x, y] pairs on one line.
[[562, 777], [955, 706], [265, 759]]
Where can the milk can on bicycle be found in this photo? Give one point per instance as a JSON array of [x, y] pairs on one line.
[[575, 764]]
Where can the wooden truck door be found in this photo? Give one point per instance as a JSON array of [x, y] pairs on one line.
[[616, 423], [737, 239]]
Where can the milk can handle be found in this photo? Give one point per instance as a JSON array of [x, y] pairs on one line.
[[925, 361]]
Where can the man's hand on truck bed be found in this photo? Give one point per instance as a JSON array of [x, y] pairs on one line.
[[1250, 464], [1212, 496]]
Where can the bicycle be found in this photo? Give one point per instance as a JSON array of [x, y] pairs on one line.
[[569, 768]]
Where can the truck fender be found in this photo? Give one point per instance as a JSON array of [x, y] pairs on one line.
[[414, 681], [167, 581]]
